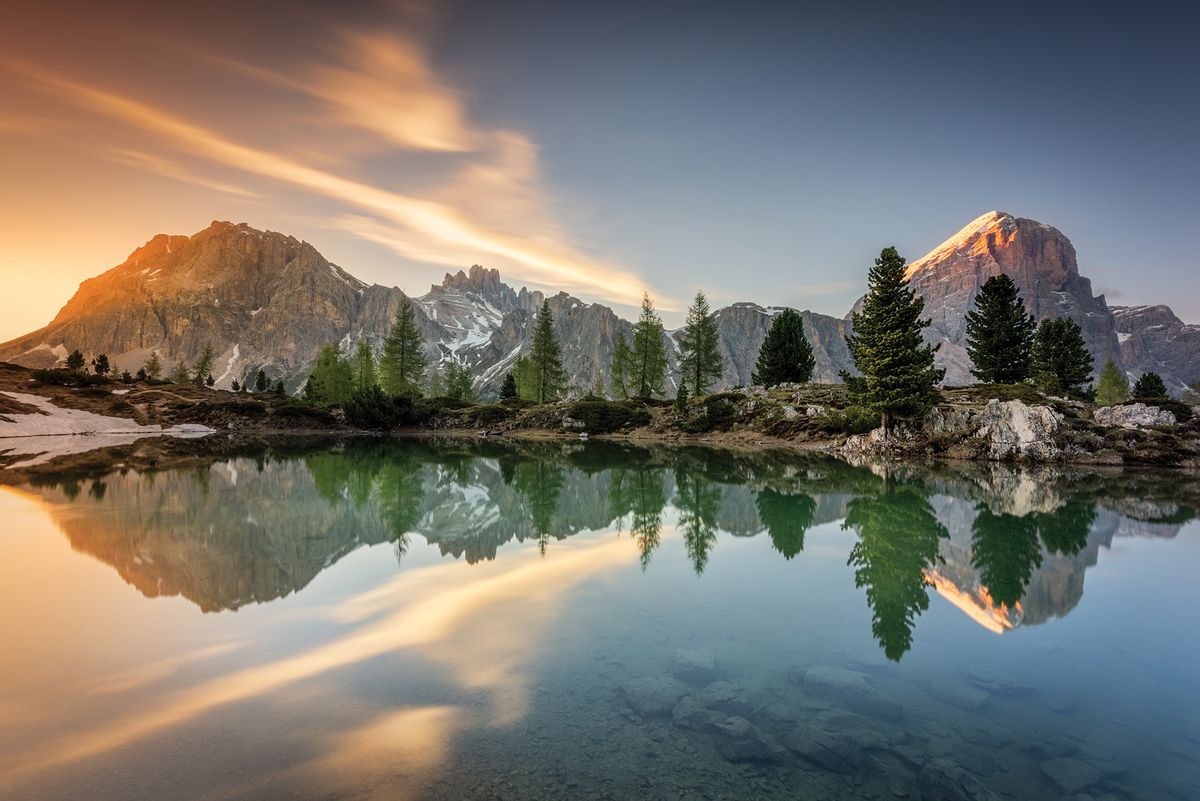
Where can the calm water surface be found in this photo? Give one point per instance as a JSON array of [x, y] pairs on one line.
[[444, 621]]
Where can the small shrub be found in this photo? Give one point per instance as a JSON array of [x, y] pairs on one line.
[[851, 420], [605, 417], [492, 413], [372, 408]]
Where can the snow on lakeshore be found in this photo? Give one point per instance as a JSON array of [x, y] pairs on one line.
[[60, 431]]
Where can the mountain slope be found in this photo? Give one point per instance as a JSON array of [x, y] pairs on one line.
[[1153, 339]]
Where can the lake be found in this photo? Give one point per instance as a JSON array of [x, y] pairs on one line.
[[453, 620]]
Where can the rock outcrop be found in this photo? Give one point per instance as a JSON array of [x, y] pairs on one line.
[[1037, 257], [1153, 339], [1133, 415]]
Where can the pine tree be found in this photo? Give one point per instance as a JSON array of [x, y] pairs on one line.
[[785, 356], [1061, 361], [181, 375], [621, 367], [649, 356], [100, 364], [209, 380], [75, 361], [1113, 387], [898, 376], [681, 398], [363, 365], [331, 380], [1149, 386], [204, 365], [141, 374], [459, 385], [281, 391], [700, 360], [508, 389], [548, 374], [402, 363], [1000, 333], [260, 381], [153, 366], [235, 386]]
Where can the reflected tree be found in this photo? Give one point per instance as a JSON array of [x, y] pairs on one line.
[[1005, 550], [400, 489], [1065, 530], [698, 501], [641, 495], [898, 537], [541, 483], [787, 518]]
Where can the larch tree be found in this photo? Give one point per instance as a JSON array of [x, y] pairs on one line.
[[621, 367], [331, 379], [898, 377], [1112, 387], [1000, 334], [649, 356], [402, 362], [785, 355], [546, 367], [204, 365], [153, 366], [363, 364], [700, 359]]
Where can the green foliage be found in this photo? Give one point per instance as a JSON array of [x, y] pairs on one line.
[[785, 356], [362, 364], [1150, 385], [101, 366], [700, 359], [209, 380], [235, 386], [681, 398], [544, 371], [640, 494], [1005, 549], [698, 501], [541, 483], [898, 538], [648, 358], [279, 389], [204, 365], [67, 378], [75, 361], [508, 389], [459, 384], [787, 517], [402, 363], [719, 413], [898, 376], [621, 368], [371, 408], [1061, 361], [153, 366], [1000, 334], [331, 380], [605, 417], [260, 381], [181, 374], [851, 420], [1113, 387]]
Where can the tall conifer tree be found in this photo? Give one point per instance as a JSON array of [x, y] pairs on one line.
[[898, 376], [402, 363], [785, 355], [1113, 386], [649, 357], [1061, 360], [700, 359], [619, 371], [1000, 333], [546, 367], [363, 363]]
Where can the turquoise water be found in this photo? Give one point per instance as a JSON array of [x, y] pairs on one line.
[[451, 620]]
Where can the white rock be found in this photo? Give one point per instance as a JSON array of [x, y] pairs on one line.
[[1133, 415], [1016, 430]]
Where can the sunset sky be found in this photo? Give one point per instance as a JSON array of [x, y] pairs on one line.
[[761, 151]]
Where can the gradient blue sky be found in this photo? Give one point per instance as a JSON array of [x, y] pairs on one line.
[[759, 151]]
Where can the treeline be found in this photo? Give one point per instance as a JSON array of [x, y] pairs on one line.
[[154, 371]]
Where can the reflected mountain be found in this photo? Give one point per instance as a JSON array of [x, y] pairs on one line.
[[1008, 547]]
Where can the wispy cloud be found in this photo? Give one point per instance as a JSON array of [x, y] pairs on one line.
[[487, 206], [170, 169]]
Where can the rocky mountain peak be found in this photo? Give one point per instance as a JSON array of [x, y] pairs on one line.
[[477, 278]]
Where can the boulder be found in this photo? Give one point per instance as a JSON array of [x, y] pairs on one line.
[[944, 780], [696, 666], [1071, 775], [652, 696], [1133, 415], [1014, 430], [852, 690], [739, 740]]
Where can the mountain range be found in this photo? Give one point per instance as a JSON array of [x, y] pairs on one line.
[[265, 300]]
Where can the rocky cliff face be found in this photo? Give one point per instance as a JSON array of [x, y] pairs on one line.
[[266, 300], [1038, 258], [1153, 339]]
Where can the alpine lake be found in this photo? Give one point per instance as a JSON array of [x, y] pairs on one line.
[[458, 619]]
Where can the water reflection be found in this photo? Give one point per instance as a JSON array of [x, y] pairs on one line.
[[1007, 547]]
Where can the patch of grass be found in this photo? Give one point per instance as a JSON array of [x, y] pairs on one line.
[[851, 420]]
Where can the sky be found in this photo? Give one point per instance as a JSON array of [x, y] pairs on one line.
[[758, 151]]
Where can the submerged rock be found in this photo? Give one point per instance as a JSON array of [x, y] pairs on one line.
[[695, 666], [739, 740], [652, 696], [852, 690], [1071, 775], [945, 780]]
